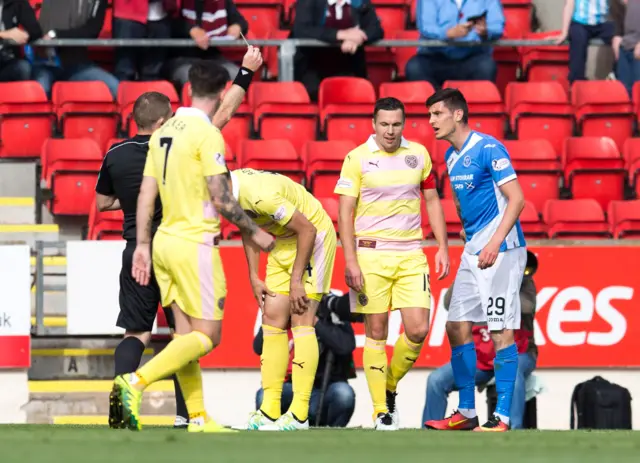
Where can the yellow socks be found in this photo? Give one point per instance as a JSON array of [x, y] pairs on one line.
[[405, 353], [273, 368], [172, 358], [305, 364], [375, 364], [190, 379]]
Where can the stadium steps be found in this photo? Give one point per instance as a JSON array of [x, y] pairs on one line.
[[72, 358], [17, 211], [28, 233], [55, 302], [87, 402]]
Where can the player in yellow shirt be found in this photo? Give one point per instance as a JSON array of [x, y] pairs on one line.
[[380, 231], [299, 272], [185, 165]]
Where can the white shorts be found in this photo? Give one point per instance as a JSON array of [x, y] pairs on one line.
[[491, 295]]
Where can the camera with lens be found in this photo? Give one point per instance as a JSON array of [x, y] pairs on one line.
[[335, 308]]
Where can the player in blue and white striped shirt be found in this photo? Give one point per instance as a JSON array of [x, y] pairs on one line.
[[489, 200], [583, 20]]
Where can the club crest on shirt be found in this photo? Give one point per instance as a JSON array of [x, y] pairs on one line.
[[363, 299], [467, 161], [411, 161]]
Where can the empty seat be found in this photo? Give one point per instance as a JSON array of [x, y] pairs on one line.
[[593, 168], [517, 14], [282, 110], [346, 107], [530, 221], [603, 109], [323, 161], [271, 53], [451, 218], [128, 93], [631, 155], [635, 96], [105, 225], [486, 110], [85, 110], [545, 64], [404, 54], [263, 16], [540, 110], [331, 206], [624, 218], [508, 63], [575, 219], [70, 170], [538, 167], [271, 155], [393, 15], [26, 119]]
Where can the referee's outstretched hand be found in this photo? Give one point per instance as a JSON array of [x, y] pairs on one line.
[[141, 269]]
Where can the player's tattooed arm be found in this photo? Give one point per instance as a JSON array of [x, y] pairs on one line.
[[226, 204], [145, 208]]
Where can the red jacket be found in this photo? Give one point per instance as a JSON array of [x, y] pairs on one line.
[[485, 352], [138, 10]]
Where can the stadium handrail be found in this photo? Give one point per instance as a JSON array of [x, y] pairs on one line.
[[288, 47]]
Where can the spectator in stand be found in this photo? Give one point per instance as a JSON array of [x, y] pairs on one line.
[[337, 342], [351, 24], [583, 20], [203, 20], [70, 19], [15, 14], [141, 19], [440, 383], [626, 42], [457, 21]]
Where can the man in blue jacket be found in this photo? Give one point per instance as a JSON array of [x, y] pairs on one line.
[[456, 21]]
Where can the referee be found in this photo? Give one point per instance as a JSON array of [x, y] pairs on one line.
[[117, 188]]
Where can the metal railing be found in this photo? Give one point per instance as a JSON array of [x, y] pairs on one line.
[[286, 48]]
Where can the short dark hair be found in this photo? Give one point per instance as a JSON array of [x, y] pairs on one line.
[[388, 104], [207, 78], [149, 108], [453, 99]]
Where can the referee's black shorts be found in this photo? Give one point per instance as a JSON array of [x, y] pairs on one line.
[[138, 304]]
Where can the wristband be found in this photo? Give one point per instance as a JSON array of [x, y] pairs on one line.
[[243, 78]]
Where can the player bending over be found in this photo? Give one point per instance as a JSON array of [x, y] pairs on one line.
[[299, 272], [185, 165], [381, 234], [489, 201]]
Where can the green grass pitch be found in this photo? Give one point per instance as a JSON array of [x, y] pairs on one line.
[[72, 444]]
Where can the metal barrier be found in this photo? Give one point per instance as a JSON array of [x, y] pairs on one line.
[[287, 48]]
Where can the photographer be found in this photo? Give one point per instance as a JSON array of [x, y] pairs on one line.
[[336, 343]]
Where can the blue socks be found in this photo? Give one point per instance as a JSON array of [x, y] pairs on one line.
[[463, 363], [506, 369]]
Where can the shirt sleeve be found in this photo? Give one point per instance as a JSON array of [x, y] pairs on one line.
[[428, 179], [350, 176], [499, 164], [104, 186], [212, 153], [275, 206]]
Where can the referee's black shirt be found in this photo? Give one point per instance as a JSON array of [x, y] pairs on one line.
[[121, 176]]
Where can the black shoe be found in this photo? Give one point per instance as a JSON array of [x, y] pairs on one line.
[[115, 410], [494, 424], [391, 405]]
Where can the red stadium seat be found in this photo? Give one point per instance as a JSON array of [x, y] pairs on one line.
[[282, 110], [26, 119], [128, 93], [508, 62], [393, 15], [271, 54], [538, 167], [486, 110], [404, 54], [532, 227], [271, 155], [636, 99], [517, 14], [346, 107], [85, 110], [624, 219], [323, 161], [631, 155], [593, 168], [113, 141], [330, 205], [575, 219], [548, 63], [104, 225], [540, 110], [451, 218], [603, 109], [263, 16], [70, 170]]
